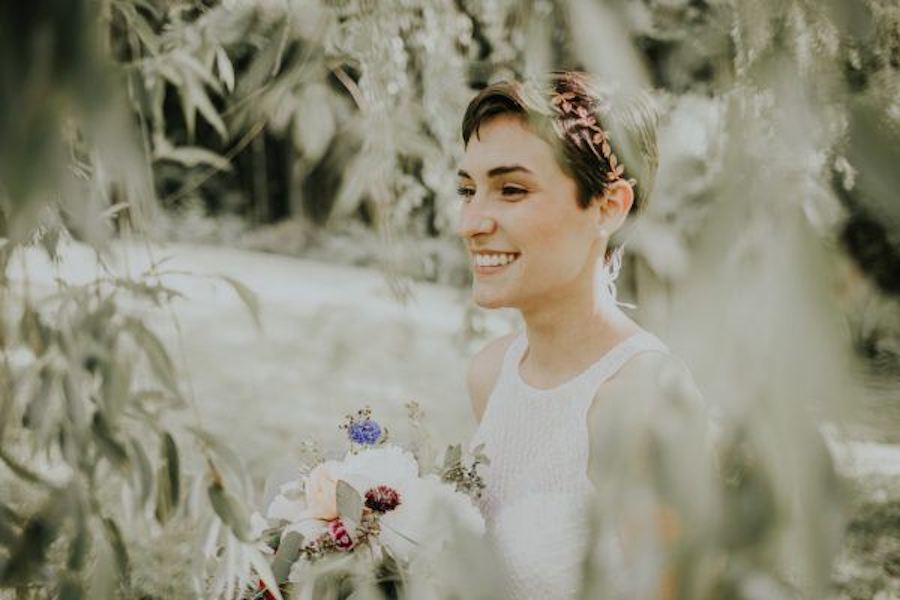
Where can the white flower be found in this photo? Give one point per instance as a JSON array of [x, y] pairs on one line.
[[423, 521]]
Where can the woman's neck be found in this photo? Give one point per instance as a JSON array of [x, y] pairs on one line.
[[571, 332]]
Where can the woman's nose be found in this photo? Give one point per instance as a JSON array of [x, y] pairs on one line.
[[473, 222]]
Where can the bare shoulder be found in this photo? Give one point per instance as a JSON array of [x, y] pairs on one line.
[[484, 369]]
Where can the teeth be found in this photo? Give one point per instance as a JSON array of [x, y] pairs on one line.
[[494, 260]]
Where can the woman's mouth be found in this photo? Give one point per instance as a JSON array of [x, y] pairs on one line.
[[489, 263]]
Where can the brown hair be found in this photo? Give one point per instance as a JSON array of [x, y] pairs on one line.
[[599, 137]]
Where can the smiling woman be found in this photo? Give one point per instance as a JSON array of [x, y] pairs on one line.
[[550, 177]]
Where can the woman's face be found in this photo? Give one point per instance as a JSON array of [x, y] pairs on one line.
[[527, 238]]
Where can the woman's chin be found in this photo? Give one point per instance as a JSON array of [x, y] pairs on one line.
[[489, 299]]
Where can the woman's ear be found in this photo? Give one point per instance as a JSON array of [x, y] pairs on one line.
[[614, 205]]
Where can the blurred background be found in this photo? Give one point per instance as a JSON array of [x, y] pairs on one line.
[[227, 224]]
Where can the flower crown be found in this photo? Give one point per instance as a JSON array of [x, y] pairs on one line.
[[581, 126]]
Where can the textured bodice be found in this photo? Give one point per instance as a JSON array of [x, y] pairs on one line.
[[537, 482]]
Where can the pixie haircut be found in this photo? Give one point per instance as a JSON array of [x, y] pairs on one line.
[[598, 137]]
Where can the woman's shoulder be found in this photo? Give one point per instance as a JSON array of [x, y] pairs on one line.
[[484, 369]]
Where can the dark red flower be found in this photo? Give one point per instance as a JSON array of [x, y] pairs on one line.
[[382, 499]]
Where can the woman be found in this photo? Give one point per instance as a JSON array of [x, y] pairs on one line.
[[551, 178]]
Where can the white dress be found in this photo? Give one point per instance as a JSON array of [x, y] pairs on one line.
[[536, 483]]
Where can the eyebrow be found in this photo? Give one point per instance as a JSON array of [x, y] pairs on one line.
[[497, 171]]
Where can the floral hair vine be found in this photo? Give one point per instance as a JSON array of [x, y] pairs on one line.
[[581, 127]]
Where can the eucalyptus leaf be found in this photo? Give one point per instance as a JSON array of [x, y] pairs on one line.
[[247, 296], [349, 502], [230, 510], [287, 554], [156, 353]]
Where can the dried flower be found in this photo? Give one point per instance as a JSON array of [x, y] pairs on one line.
[[340, 535], [382, 498]]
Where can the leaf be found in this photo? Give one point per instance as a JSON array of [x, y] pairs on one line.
[[247, 296], [164, 507], [349, 502], [144, 472], [22, 471], [10, 522], [453, 456], [173, 472], [108, 445], [264, 571], [28, 556], [114, 537], [287, 554], [191, 156], [226, 70], [201, 101], [80, 544], [314, 122], [70, 588], [230, 510], [156, 353]]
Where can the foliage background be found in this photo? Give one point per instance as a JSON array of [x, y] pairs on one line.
[[329, 130]]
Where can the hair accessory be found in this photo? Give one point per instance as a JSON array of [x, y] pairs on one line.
[[580, 125]]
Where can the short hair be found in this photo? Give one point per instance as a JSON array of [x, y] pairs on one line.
[[598, 136]]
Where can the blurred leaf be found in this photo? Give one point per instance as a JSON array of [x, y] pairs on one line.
[[453, 456], [219, 449], [10, 522], [156, 353], [70, 588], [226, 71], [120, 552], [170, 456], [261, 566], [287, 554], [80, 544], [108, 445], [197, 98], [191, 156], [230, 510], [349, 502], [144, 472], [33, 331], [164, 504], [314, 122], [247, 296], [22, 471], [29, 553]]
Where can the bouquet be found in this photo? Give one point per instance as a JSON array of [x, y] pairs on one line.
[[373, 518]]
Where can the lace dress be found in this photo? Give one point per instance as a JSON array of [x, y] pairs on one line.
[[537, 482]]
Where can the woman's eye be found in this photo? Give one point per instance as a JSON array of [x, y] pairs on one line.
[[464, 193], [513, 191]]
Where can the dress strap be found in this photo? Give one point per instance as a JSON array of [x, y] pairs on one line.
[[614, 360]]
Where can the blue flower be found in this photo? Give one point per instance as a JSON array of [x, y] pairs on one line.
[[366, 432]]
